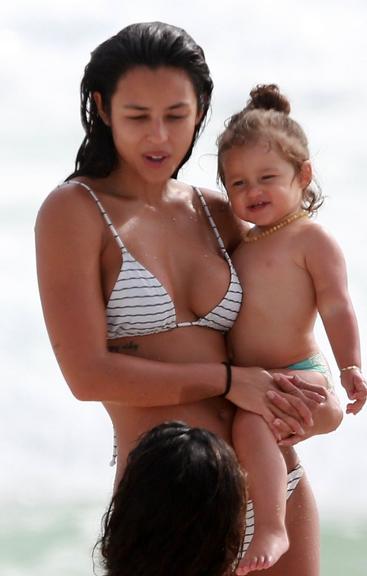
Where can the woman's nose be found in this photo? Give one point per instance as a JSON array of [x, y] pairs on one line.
[[158, 131]]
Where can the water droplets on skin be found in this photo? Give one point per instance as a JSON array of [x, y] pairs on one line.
[[328, 103]]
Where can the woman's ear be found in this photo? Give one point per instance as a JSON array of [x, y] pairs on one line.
[[97, 97], [305, 174], [199, 116]]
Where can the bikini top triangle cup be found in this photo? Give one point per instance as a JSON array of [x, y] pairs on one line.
[[139, 305]]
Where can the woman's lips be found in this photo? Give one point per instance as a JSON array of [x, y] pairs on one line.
[[155, 158]]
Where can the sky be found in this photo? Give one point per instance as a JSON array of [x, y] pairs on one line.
[[316, 51]]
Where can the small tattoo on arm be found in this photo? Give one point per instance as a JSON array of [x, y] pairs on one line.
[[132, 346]]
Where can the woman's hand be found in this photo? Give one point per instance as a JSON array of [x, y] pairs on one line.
[[294, 396], [275, 398], [327, 415]]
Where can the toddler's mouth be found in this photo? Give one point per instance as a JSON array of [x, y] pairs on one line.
[[258, 205]]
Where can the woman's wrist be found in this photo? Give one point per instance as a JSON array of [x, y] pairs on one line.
[[227, 389]]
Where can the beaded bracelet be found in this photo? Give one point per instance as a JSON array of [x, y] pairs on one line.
[[347, 368], [228, 378]]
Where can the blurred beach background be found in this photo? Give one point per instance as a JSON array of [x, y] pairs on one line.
[[55, 481]]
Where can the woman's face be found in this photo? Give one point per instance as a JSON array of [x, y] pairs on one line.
[[153, 117]]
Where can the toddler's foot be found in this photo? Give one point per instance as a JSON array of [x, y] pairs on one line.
[[264, 551]]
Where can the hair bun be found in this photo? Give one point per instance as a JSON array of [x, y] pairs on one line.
[[268, 97]]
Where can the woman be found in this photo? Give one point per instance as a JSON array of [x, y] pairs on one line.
[[181, 500], [126, 254]]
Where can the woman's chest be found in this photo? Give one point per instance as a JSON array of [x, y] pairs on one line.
[[181, 255]]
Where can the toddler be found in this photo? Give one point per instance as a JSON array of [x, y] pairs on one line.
[[290, 269]]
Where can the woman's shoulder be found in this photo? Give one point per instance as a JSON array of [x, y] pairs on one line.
[[230, 227], [68, 207], [216, 198], [69, 196], [65, 193]]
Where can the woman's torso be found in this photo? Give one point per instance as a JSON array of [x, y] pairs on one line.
[[176, 244]]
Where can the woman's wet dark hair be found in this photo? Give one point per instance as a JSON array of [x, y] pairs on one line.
[[179, 507], [266, 116], [152, 44]]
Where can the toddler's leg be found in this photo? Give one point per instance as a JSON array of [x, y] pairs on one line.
[[261, 458]]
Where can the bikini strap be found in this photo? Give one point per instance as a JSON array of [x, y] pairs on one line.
[[103, 212], [211, 220]]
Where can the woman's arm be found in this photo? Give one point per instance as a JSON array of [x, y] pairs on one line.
[[69, 240], [70, 237]]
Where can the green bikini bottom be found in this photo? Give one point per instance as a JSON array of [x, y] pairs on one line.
[[315, 363]]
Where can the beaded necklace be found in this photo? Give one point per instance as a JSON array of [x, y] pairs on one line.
[[247, 238]]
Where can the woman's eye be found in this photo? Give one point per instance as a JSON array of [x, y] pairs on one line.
[[136, 117], [175, 117], [144, 117]]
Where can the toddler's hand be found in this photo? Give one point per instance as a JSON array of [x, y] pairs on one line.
[[355, 386]]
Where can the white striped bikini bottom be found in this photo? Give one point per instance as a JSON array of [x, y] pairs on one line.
[[293, 478]]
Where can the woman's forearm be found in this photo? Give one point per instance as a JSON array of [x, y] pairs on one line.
[[139, 382], [144, 383]]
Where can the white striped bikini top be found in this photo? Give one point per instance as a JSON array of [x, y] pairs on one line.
[[140, 305]]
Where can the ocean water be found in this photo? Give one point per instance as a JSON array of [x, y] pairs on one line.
[[54, 476], [59, 539]]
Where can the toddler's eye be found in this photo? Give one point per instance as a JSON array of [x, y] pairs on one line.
[[237, 183], [268, 176]]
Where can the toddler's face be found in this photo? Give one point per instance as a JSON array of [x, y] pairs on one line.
[[262, 186]]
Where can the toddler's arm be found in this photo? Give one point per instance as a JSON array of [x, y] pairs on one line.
[[354, 383], [326, 265]]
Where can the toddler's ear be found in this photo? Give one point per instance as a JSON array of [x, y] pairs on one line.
[[305, 174]]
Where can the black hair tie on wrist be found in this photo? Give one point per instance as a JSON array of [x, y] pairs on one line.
[[229, 378]]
